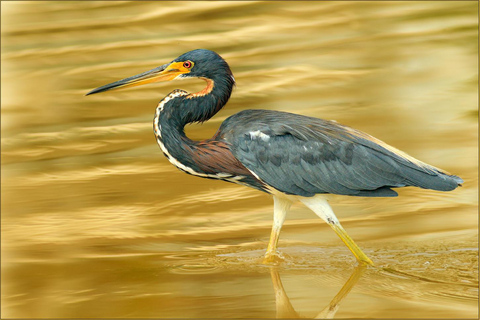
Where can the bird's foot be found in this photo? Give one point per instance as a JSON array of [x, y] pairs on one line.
[[272, 258], [365, 261]]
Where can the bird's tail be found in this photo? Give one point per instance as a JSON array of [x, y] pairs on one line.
[[429, 177], [418, 173]]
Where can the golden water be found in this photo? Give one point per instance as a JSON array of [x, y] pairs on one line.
[[97, 223]]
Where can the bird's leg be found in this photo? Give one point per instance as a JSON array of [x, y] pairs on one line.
[[320, 206], [280, 209], [359, 254]]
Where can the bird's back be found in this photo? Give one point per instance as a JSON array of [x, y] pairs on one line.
[[305, 156]]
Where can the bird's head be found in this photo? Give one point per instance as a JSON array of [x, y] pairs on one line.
[[199, 63]]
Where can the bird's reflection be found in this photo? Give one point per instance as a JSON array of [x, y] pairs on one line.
[[285, 309]]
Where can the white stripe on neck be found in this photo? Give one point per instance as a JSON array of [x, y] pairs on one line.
[[158, 134]]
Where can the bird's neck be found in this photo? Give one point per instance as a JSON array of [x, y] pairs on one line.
[[201, 106], [180, 108]]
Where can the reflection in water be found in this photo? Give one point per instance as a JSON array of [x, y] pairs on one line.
[[329, 311], [283, 305], [285, 308]]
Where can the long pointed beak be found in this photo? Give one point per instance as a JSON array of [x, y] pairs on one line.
[[166, 72]]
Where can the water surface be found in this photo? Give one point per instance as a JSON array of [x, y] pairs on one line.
[[97, 223]]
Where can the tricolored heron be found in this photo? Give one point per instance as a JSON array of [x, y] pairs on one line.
[[290, 156]]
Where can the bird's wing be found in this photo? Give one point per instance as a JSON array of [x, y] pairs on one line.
[[304, 156]]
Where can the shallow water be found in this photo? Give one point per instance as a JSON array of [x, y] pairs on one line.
[[97, 223]]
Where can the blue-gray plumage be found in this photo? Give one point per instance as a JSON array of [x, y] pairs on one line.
[[290, 156], [305, 156]]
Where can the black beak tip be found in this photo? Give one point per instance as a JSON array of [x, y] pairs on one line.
[[91, 92], [97, 90]]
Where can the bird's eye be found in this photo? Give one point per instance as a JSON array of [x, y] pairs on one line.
[[187, 64]]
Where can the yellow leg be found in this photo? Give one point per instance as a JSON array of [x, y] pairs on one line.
[[357, 252], [320, 206], [271, 254], [280, 209]]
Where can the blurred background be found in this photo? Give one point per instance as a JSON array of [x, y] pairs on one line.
[[97, 223]]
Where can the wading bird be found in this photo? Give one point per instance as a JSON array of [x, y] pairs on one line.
[[290, 156]]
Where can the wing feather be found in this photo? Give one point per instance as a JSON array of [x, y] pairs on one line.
[[306, 156]]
